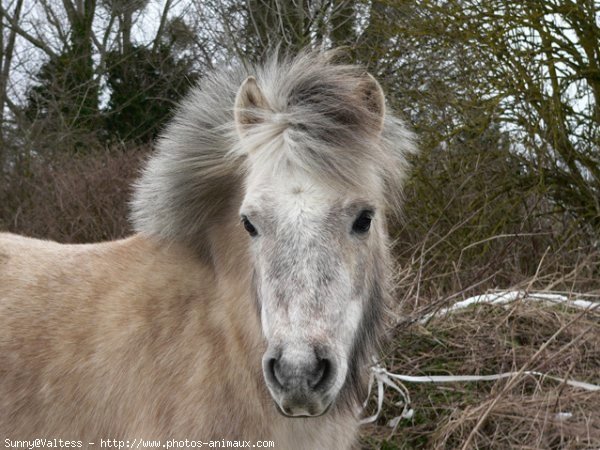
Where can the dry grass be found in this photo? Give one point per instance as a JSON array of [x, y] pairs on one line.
[[521, 412]]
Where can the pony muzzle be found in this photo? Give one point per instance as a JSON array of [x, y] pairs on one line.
[[300, 381]]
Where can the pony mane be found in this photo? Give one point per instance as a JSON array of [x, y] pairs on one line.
[[194, 180]]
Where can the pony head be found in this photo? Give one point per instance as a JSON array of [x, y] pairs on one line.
[[303, 154], [319, 180]]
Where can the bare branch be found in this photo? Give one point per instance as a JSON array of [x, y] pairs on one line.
[[24, 34], [161, 26]]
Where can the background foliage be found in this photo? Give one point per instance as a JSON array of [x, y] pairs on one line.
[[504, 97]]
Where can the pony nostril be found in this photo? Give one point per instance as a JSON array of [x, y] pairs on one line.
[[294, 374], [273, 367], [322, 374]]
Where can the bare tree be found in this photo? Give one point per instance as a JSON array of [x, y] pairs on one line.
[[6, 55], [542, 65]]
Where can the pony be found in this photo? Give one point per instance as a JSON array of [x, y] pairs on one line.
[[249, 302]]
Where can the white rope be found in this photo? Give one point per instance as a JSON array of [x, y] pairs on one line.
[[505, 297], [383, 378]]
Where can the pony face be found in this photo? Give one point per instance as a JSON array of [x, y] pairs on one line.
[[315, 255], [318, 248]]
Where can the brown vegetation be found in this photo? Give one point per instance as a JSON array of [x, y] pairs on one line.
[[521, 412], [76, 199], [469, 228]]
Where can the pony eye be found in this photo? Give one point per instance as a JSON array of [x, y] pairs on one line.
[[363, 222], [249, 227]]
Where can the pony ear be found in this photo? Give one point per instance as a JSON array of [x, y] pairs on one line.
[[250, 104], [374, 99]]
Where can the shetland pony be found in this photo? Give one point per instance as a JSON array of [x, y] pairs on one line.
[[250, 300]]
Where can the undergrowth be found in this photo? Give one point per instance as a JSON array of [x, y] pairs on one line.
[[521, 412]]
